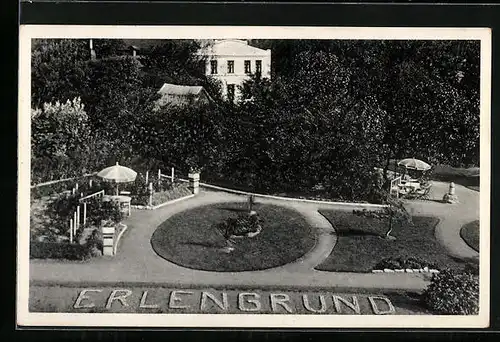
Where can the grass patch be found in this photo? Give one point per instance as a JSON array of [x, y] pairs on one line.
[[190, 239], [470, 234], [176, 192], [359, 247]]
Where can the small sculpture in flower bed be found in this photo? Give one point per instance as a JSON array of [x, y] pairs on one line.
[[244, 225]]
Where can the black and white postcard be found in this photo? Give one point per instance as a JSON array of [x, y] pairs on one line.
[[217, 176]]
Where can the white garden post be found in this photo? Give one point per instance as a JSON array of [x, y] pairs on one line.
[[159, 179], [90, 183], [147, 176], [75, 222], [76, 187], [78, 216], [84, 213], [70, 231], [150, 194], [172, 175]]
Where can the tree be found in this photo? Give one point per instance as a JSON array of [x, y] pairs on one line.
[[58, 70], [395, 213], [59, 137]]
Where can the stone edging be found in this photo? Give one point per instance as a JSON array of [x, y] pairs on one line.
[[407, 270], [349, 204], [146, 207], [115, 247]]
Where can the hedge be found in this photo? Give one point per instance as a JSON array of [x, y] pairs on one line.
[[453, 293], [54, 250]]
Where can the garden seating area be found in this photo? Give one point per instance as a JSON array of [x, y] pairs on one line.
[[71, 212]]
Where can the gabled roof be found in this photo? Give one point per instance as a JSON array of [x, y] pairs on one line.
[[233, 47], [173, 89]]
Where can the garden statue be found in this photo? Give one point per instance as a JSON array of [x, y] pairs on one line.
[[451, 197]]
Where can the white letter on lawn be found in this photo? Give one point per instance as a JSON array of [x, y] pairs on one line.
[[143, 302], [175, 298], [223, 305], [280, 299], [242, 300], [354, 305], [307, 305], [121, 298], [375, 308], [81, 297]]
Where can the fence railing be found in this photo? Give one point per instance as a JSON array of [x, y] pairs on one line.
[[95, 194], [62, 180]]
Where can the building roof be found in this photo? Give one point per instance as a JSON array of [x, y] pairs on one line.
[[180, 90], [233, 47]]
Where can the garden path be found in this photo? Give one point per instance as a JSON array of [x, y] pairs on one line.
[[452, 216], [136, 261]]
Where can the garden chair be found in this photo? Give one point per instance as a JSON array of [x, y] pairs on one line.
[[422, 193]]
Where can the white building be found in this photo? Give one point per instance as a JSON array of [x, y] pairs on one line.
[[233, 61]]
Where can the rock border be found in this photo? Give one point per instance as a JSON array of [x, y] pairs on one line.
[[407, 270], [147, 207]]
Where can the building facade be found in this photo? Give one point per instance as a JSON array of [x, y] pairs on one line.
[[233, 61]]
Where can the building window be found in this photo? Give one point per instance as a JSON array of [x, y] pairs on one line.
[[230, 92], [230, 67], [258, 66], [248, 68], [213, 67]]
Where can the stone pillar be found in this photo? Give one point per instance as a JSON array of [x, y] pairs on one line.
[[194, 182], [451, 197], [452, 188], [108, 235]]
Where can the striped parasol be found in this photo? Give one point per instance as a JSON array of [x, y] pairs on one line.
[[117, 174], [414, 164]]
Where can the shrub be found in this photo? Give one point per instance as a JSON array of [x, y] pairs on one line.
[[98, 211], [403, 262], [54, 250], [453, 293], [241, 225]]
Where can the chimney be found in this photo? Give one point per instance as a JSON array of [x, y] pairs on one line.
[[92, 51]]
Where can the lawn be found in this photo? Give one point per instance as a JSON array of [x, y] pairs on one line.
[[190, 239], [470, 234], [360, 248]]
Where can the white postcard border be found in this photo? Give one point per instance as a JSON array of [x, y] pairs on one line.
[[26, 318]]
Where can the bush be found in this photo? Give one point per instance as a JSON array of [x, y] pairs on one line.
[[54, 250], [241, 225], [403, 262], [98, 211], [453, 293]]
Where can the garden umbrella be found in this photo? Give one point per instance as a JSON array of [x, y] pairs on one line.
[[414, 164], [118, 174]]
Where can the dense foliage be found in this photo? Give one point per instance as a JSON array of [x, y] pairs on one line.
[[453, 293], [332, 111]]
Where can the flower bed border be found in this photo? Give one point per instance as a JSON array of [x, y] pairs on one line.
[[147, 207], [347, 204], [117, 240], [407, 270]]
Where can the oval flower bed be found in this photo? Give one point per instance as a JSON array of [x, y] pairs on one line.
[[193, 238]]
